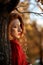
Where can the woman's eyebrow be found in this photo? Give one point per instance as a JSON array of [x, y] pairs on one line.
[[15, 25]]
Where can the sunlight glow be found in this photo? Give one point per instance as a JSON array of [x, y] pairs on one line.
[[34, 8], [37, 18]]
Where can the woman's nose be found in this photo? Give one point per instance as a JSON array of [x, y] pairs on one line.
[[19, 29]]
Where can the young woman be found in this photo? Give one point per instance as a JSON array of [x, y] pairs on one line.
[[16, 28]]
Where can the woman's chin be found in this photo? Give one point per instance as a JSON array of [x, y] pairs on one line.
[[18, 37]]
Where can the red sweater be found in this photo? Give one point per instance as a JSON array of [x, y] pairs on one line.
[[18, 56]]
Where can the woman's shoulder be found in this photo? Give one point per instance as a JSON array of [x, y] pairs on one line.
[[15, 43]]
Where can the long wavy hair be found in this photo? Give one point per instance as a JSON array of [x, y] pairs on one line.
[[14, 16]]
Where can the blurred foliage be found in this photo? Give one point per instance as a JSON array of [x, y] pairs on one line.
[[31, 42]]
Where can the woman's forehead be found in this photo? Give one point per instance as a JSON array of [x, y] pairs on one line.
[[15, 22]]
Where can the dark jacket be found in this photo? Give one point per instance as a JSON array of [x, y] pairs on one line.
[[4, 44]]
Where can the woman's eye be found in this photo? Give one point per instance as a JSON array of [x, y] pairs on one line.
[[15, 26]]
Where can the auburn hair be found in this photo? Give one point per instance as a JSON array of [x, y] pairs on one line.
[[16, 16], [13, 16]]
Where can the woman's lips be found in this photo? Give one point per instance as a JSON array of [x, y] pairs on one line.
[[19, 33]]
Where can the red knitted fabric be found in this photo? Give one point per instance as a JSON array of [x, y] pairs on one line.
[[18, 56]]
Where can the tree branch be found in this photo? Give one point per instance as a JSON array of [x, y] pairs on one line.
[[29, 12]]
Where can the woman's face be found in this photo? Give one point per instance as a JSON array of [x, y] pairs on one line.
[[16, 29]]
